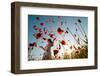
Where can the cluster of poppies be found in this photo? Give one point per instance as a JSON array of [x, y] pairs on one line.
[[42, 31]]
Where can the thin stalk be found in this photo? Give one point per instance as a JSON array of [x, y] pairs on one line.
[[73, 36], [62, 46], [80, 29], [80, 37], [65, 41], [83, 30]]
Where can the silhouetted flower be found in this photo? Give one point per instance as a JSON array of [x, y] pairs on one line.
[[35, 27], [66, 32], [33, 44], [79, 21]]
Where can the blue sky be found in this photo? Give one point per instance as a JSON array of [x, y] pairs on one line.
[[67, 21]]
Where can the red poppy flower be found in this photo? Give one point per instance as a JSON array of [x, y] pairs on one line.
[[37, 18], [34, 44], [35, 27], [51, 35], [63, 42], [41, 23], [55, 51], [45, 32], [60, 31], [38, 35]]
